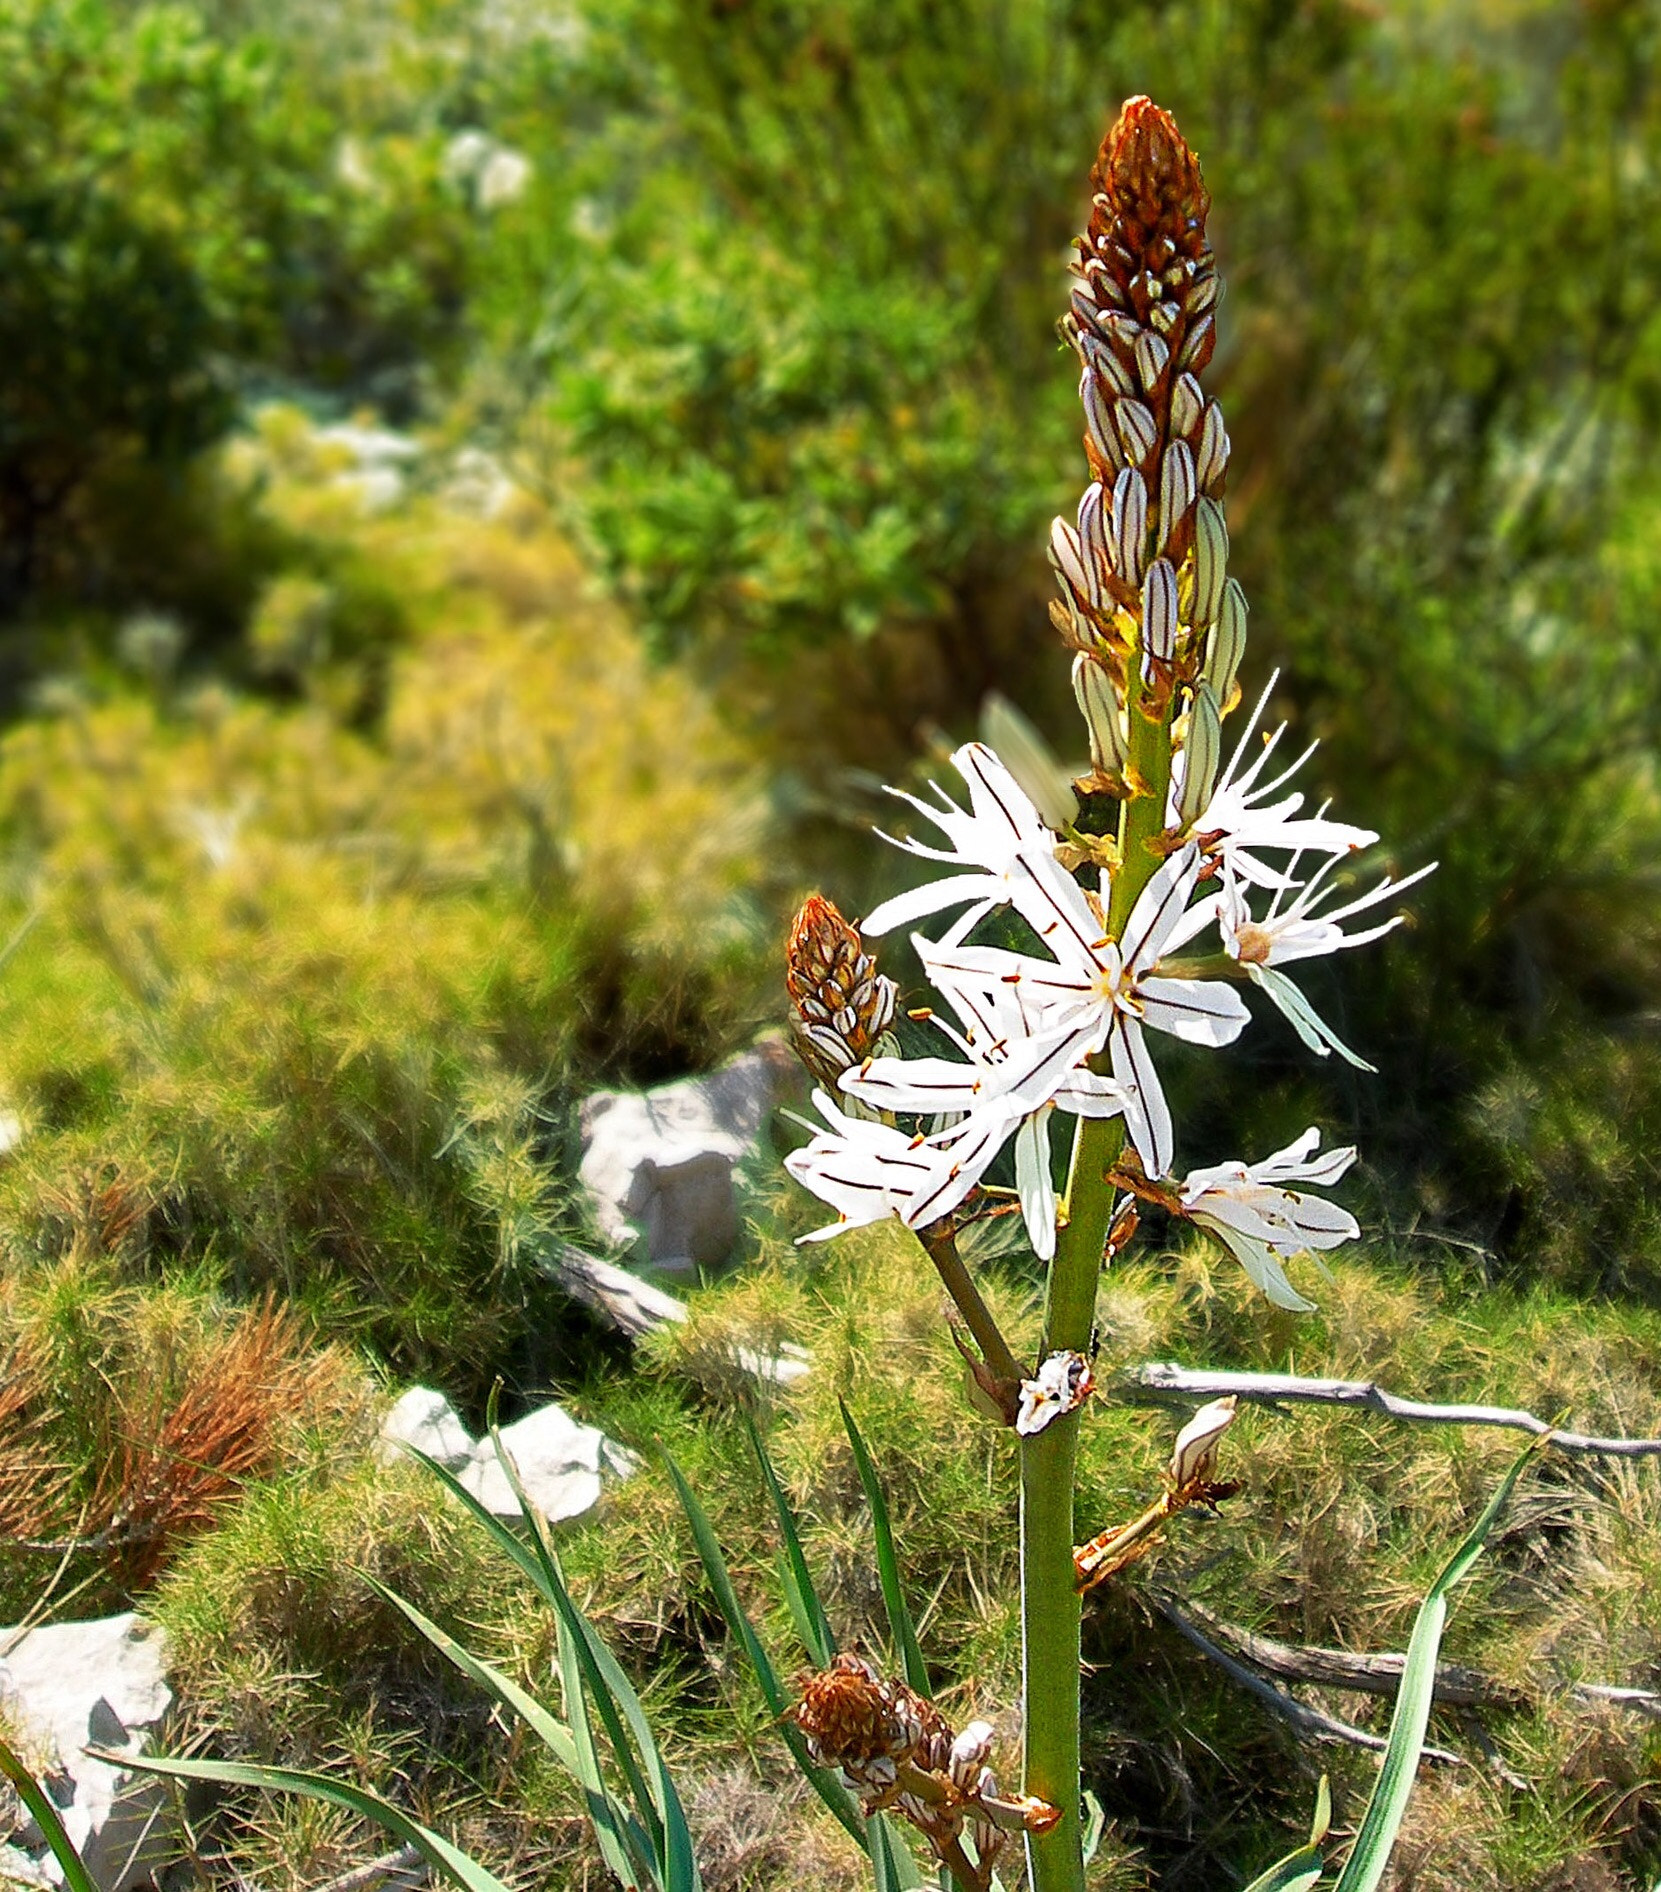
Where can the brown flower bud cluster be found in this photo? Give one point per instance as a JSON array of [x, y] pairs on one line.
[[898, 1753], [1143, 571], [840, 1005]]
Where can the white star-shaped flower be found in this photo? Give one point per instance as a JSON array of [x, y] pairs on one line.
[[1299, 929], [1242, 820], [1250, 1210], [1003, 1070], [1107, 991], [869, 1171], [1001, 839]]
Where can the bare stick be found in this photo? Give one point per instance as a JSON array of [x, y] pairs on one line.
[[407, 1864], [1306, 1720], [1164, 1379], [1345, 1668], [1379, 1674]]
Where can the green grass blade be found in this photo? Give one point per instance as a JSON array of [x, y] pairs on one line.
[[835, 1796], [554, 1734], [625, 1844], [1300, 1871], [892, 1867], [448, 1859], [1364, 1869], [888, 1565], [39, 1802], [1297, 1872], [811, 1621], [598, 1669], [656, 1801]]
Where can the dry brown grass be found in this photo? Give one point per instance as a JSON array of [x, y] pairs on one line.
[[181, 1456]]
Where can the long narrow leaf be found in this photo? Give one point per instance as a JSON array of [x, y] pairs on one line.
[[1297, 1872], [1364, 1869], [657, 1802], [626, 1844], [811, 1621], [554, 1734], [39, 1802], [893, 1867], [888, 1566], [835, 1796], [450, 1860], [537, 1561], [1300, 1871]]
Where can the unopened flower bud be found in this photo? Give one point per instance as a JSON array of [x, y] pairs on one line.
[[969, 1750], [1202, 752], [1099, 703], [1092, 533], [1210, 561], [1187, 405], [1067, 556], [1137, 429], [1152, 353], [1228, 644], [1176, 490], [1098, 424], [1197, 346], [1195, 1451], [1027, 757], [1159, 614], [1212, 460], [840, 1004], [1129, 525]]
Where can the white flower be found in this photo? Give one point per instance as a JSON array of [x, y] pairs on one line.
[[1106, 991], [1300, 930], [1024, 1077], [1002, 839], [1246, 822], [867, 1171], [1248, 1207]]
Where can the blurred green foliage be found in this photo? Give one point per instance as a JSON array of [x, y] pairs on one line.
[[761, 298], [292, 1007], [804, 389], [180, 217]]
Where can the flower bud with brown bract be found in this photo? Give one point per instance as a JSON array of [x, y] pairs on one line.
[[840, 1005], [897, 1752]]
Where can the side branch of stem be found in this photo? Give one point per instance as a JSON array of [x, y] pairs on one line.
[[940, 1245]]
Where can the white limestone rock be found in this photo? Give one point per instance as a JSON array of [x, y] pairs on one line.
[[658, 1165], [425, 1419], [67, 1685], [560, 1461]]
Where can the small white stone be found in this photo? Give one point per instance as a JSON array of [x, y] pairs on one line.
[[559, 1461], [426, 1420]]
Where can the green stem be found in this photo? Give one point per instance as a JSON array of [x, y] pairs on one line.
[[940, 1245], [1050, 1604]]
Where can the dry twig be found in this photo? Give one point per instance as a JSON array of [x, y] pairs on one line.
[[1307, 1720], [1164, 1379]]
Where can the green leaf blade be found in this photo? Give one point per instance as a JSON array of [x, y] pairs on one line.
[[888, 1564]]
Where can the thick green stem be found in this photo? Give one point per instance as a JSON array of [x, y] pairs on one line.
[[1050, 1605]]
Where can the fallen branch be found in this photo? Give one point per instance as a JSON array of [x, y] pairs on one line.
[[406, 1864], [635, 1307], [1307, 1720], [1164, 1379], [1368, 1674]]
